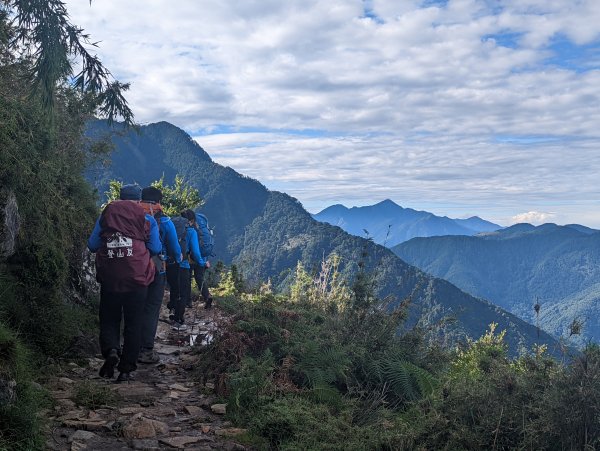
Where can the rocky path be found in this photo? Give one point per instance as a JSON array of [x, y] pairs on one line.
[[162, 409]]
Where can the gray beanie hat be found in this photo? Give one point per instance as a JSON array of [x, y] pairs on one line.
[[131, 192]]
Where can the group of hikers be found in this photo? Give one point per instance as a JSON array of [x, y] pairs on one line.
[[138, 250]]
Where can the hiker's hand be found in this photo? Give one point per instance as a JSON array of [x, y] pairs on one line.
[[207, 264]]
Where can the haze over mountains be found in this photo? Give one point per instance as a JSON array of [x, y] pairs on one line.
[[514, 267], [389, 224], [266, 233]]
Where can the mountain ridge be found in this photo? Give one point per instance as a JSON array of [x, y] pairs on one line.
[[389, 224], [266, 232], [557, 265]]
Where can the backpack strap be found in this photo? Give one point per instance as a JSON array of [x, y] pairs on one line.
[[160, 260]]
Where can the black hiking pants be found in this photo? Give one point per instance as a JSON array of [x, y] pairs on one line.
[[199, 278], [173, 281], [180, 287], [156, 291], [185, 293], [130, 306]]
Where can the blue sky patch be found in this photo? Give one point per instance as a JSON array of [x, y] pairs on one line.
[[578, 58], [509, 40], [508, 139], [223, 129], [438, 3], [369, 12]]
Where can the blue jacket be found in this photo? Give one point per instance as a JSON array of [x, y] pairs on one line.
[[153, 244], [193, 249], [168, 238]]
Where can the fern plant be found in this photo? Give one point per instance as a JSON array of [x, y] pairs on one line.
[[396, 378], [323, 368], [407, 380], [326, 394]]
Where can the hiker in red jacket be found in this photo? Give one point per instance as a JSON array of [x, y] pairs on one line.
[[123, 238]]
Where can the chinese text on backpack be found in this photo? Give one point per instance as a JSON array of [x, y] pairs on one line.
[[205, 236], [123, 262]]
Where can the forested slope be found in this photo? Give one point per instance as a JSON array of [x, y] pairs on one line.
[[559, 266], [266, 233]]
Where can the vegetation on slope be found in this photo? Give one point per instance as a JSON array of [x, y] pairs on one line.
[[42, 157], [302, 371]]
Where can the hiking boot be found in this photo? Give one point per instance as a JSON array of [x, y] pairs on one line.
[[179, 326], [148, 356], [125, 377], [108, 369], [208, 303]]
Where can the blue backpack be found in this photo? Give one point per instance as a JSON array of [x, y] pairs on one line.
[[181, 229], [205, 236]]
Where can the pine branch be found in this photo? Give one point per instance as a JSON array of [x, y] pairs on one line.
[[45, 34]]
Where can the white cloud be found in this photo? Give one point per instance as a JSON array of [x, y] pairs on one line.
[[533, 217], [427, 105]]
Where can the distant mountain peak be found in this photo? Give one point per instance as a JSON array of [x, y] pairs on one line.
[[333, 209], [520, 227], [386, 202], [389, 223]]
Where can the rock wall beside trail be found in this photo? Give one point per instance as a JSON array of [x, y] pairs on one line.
[[9, 223], [87, 275]]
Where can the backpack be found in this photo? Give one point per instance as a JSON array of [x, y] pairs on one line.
[[122, 262], [181, 225], [160, 259], [156, 212], [206, 239]]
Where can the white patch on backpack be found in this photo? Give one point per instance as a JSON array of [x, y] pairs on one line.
[[117, 243]]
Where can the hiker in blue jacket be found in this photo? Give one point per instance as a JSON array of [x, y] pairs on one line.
[[151, 199], [124, 238], [199, 271], [178, 275]]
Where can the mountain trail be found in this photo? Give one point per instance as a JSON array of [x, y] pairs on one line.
[[162, 409]]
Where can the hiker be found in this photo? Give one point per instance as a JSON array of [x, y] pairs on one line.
[[178, 274], [151, 199], [205, 241], [123, 238]]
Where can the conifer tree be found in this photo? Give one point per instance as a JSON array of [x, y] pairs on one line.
[[44, 35]]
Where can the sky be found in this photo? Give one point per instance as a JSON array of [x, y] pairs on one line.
[[458, 107]]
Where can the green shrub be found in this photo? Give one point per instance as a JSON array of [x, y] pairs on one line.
[[251, 386], [289, 371], [573, 401], [293, 422], [488, 401], [19, 424], [93, 395], [302, 375]]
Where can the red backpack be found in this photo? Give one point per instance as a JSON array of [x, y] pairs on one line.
[[123, 262]]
